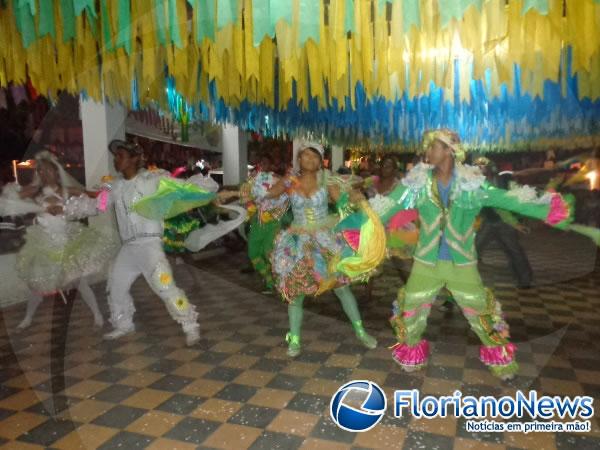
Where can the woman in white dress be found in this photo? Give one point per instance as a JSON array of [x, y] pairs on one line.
[[58, 255]]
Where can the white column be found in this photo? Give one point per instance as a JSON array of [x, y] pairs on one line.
[[101, 124], [337, 157], [235, 155]]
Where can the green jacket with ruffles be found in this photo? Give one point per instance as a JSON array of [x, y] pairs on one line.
[[469, 193]]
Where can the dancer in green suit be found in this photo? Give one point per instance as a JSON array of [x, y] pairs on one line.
[[448, 196]]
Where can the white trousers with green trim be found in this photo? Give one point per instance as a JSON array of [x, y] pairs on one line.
[[147, 258]]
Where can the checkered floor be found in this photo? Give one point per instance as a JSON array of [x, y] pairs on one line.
[[237, 389]]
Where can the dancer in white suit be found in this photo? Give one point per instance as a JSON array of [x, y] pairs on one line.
[[142, 252]]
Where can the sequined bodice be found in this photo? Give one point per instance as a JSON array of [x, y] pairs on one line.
[[309, 210]]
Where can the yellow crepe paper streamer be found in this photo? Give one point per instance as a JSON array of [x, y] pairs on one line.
[[379, 53]]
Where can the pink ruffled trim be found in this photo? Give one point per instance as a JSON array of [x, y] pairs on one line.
[[497, 356], [411, 355], [412, 312], [559, 210], [102, 201], [402, 218]]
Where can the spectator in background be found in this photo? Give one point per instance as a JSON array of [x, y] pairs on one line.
[[502, 226]]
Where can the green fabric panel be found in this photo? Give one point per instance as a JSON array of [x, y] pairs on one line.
[[67, 15], [124, 21], [261, 21], [455, 9], [206, 20], [281, 9], [161, 25], [89, 6], [46, 24], [411, 14], [349, 21], [541, 6], [226, 13], [174, 24], [106, 26], [310, 18], [81, 5], [195, 4], [24, 17]]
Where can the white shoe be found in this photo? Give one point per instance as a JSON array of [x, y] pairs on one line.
[[192, 337], [25, 323], [118, 332], [98, 322]]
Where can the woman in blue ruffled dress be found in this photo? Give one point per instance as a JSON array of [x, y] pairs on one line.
[[314, 254]]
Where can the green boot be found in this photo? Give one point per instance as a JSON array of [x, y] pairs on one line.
[[293, 341], [365, 338]]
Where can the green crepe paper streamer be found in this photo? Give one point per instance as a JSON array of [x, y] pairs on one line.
[[265, 16], [226, 13], [24, 13], [455, 9], [261, 21], [281, 10], [411, 14], [206, 20], [46, 25], [195, 4], [310, 18], [174, 24], [67, 14], [88, 5], [124, 31], [108, 45], [540, 5], [159, 12], [349, 20]]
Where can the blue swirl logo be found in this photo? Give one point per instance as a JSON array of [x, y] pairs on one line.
[[370, 407]]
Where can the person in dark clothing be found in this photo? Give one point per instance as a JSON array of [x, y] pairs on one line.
[[504, 228]]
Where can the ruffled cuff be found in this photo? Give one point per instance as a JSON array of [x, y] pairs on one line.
[[82, 206], [500, 355], [414, 355], [559, 210]]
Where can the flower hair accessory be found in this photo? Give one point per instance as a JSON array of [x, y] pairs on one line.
[[447, 137]]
